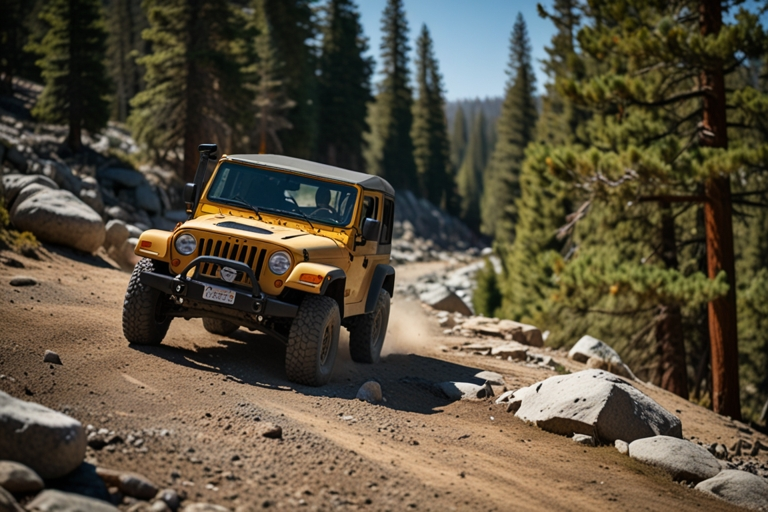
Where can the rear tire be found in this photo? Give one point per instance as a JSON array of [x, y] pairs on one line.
[[220, 327], [144, 320], [313, 341], [367, 332]]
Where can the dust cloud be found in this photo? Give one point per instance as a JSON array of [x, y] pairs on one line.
[[409, 328]]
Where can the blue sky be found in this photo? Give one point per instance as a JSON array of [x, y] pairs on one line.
[[471, 39]]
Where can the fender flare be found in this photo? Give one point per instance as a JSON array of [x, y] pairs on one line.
[[383, 277]]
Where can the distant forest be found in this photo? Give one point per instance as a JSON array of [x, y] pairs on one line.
[[629, 201]]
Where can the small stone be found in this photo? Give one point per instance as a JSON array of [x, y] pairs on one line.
[[491, 377], [57, 501], [739, 488], [682, 459], [271, 430], [23, 281], [18, 478], [159, 506], [370, 392], [622, 446], [51, 357], [170, 497], [137, 486], [204, 507], [583, 439]]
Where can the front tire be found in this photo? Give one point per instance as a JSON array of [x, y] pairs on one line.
[[313, 341], [367, 333], [220, 327], [144, 318]]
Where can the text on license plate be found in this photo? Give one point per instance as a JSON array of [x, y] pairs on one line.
[[219, 295]]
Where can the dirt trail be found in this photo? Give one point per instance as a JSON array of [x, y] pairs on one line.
[[199, 400]]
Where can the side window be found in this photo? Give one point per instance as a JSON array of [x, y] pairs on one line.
[[370, 209], [387, 222]]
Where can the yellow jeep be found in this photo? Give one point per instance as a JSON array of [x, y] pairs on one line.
[[288, 247]]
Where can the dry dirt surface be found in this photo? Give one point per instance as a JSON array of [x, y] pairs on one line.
[[190, 412]]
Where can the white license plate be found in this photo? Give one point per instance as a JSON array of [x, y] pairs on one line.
[[219, 295]]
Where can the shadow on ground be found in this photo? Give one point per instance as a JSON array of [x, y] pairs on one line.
[[408, 381]]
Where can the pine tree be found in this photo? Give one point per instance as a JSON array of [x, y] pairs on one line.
[[458, 139], [487, 297], [72, 64], [193, 84], [469, 180], [294, 32], [266, 86], [515, 129], [390, 151], [429, 132], [126, 21], [14, 36], [344, 88]]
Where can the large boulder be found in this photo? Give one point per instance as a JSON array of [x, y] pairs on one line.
[[127, 178], [57, 501], [739, 488], [595, 403], [147, 199], [682, 459], [14, 183], [49, 442], [442, 298], [588, 347], [116, 233], [57, 216], [62, 175]]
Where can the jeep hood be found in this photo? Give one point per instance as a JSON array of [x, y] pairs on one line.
[[296, 240]]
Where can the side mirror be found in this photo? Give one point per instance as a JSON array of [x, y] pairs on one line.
[[371, 228], [189, 195]]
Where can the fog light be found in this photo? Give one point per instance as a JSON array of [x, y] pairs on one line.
[[278, 283], [175, 263]]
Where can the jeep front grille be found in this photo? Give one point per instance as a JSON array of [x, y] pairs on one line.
[[244, 253]]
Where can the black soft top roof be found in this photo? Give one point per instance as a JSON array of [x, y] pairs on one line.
[[367, 181]]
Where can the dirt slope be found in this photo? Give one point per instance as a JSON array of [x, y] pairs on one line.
[[198, 401]]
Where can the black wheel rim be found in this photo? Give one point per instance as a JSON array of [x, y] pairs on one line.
[[325, 346]]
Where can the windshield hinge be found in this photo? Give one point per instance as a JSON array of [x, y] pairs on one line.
[[306, 255]]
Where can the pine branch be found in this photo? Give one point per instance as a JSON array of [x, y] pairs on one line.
[[616, 313], [673, 99], [671, 198]]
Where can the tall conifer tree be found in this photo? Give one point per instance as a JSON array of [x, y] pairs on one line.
[[126, 20], [459, 139], [469, 180], [294, 32], [515, 129], [390, 152], [193, 92], [344, 87], [429, 132], [72, 64], [14, 36]]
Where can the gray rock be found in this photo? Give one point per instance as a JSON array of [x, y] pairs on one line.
[[136, 486], [682, 459], [116, 233], [517, 351], [595, 403], [118, 212], [16, 477], [16, 158], [62, 175], [147, 199], [7, 501], [465, 390], [13, 183], [30, 190], [159, 222], [122, 177], [51, 357], [588, 346], [442, 298], [505, 397], [170, 497], [134, 231], [23, 281], [205, 507], [49, 442], [619, 369], [57, 501], [57, 216], [491, 377], [622, 447], [176, 215], [159, 506], [370, 392], [90, 194], [739, 488], [583, 439]]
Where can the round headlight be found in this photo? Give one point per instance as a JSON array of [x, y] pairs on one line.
[[279, 263], [186, 244]]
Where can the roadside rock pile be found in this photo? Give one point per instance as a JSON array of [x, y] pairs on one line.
[[44, 451]]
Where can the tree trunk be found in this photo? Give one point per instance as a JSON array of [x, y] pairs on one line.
[[719, 231], [670, 344]]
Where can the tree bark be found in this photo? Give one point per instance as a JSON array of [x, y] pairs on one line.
[[719, 230]]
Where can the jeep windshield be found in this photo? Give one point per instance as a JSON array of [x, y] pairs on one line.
[[271, 191]]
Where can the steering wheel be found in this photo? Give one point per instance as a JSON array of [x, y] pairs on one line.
[[324, 212]]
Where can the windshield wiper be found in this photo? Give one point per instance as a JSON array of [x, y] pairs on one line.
[[249, 205], [298, 209]]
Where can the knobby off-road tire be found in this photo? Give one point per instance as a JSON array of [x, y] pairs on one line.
[[313, 341], [220, 327], [367, 332], [143, 320]]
